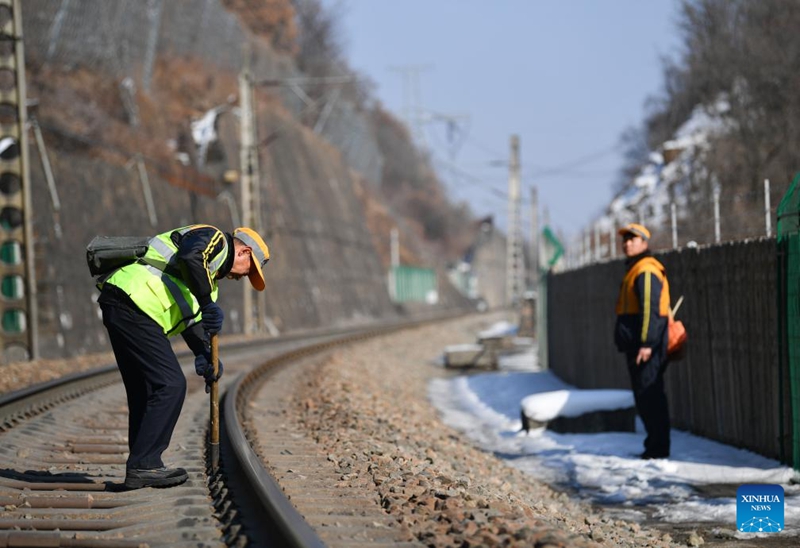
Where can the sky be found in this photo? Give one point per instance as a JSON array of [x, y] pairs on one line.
[[566, 77], [604, 469]]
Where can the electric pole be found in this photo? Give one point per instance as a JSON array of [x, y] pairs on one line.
[[251, 195], [534, 273], [394, 249], [514, 266]]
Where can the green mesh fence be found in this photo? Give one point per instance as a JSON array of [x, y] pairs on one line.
[[788, 241], [411, 284]]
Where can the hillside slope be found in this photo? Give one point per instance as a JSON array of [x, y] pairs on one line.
[[117, 87]]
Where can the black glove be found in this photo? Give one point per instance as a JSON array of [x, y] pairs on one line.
[[212, 317], [204, 368]]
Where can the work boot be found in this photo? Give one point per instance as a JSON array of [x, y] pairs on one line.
[[136, 478]]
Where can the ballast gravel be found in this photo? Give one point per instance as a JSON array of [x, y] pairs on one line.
[[367, 407]]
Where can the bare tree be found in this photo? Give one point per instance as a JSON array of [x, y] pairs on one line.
[[633, 142], [320, 46], [747, 53]]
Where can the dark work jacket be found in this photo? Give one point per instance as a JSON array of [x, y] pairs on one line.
[[193, 248], [633, 331]]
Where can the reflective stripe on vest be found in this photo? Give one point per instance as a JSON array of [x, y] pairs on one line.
[[168, 251], [189, 316], [145, 281]]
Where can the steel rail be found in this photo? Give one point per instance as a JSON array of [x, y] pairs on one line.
[[38, 398], [33, 400], [294, 529], [18, 406]]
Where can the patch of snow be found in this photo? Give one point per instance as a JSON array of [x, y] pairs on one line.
[[605, 468], [547, 406], [499, 329], [463, 348]]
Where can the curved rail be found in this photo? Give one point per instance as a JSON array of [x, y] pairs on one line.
[[105, 511], [293, 528], [38, 398], [27, 402]]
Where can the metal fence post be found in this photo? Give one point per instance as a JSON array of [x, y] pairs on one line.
[[716, 213], [674, 215], [597, 251], [612, 240], [767, 217]]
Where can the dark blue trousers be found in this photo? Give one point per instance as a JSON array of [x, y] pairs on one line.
[[647, 382], [154, 383]]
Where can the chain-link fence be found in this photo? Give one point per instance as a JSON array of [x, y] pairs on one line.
[[127, 39]]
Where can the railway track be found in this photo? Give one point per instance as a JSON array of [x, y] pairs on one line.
[[63, 447], [320, 506], [331, 475]]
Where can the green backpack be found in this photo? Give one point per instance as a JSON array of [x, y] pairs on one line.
[[105, 254]]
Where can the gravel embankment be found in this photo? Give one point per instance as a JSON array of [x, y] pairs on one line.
[[368, 408], [19, 375]]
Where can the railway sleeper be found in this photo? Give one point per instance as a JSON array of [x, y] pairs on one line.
[[35, 539], [80, 501]]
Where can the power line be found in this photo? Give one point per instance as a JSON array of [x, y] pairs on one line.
[[583, 160], [482, 146], [557, 175]]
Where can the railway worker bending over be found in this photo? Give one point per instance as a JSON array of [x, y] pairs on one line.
[[171, 290]]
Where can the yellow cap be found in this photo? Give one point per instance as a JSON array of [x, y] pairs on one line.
[[258, 258], [636, 229]]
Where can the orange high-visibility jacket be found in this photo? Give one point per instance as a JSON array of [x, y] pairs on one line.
[[642, 306]]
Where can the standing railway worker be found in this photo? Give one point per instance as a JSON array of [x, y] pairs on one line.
[[641, 334], [172, 290]]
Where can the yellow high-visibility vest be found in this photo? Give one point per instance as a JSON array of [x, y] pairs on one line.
[[154, 284]]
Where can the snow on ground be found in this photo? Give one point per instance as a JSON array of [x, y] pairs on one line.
[[604, 468], [499, 329]]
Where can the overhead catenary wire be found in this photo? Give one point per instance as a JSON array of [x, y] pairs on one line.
[[480, 183], [561, 170], [578, 162]]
